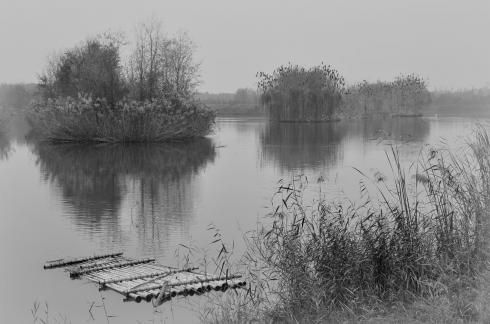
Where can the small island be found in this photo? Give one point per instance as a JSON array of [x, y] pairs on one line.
[[88, 94], [296, 94]]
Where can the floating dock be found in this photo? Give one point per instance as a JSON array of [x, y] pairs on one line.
[[144, 279]]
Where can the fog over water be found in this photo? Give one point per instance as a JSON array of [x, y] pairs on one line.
[[443, 41]]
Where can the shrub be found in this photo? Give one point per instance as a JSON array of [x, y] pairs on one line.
[[87, 120], [93, 69]]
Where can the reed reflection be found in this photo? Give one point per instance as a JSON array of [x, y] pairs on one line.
[[122, 190], [310, 146], [398, 129], [5, 146], [302, 145]]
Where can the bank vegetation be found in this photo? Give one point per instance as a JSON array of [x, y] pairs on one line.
[[413, 250]]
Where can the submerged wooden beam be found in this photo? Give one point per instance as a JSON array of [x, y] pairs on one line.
[[63, 262], [76, 273]]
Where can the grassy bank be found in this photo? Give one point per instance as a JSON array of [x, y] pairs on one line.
[[411, 251], [87, 120]]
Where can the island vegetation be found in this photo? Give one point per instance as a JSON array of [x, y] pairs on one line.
[[297, 94], [405, 96], [293, 93], [91, 94]]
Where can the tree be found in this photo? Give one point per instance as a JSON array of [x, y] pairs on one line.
[[92, 68], [161, 65]]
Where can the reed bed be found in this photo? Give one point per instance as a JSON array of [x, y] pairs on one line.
[[416, 250], [405, 96], [91, 120], [293, 93]]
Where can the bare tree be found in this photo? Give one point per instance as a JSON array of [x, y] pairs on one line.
[[183, 71], [160, 65], [143, 67]]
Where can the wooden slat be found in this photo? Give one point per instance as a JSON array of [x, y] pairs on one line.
[[98, 263], [77, 273], [143, 276], [63, 263], [143, 280]]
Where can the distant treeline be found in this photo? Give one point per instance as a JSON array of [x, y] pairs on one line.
[[319, 93], [364, 97], [466, 96], [244, 101], [17, 95], [460, 103]]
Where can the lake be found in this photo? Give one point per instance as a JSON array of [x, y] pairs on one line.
[[146, 200]]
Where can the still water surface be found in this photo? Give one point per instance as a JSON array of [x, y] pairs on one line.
[[145, 200]]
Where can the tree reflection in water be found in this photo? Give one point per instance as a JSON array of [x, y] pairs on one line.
[[300, 146], [142, 188]]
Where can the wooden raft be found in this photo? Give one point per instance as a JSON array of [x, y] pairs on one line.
[[144, 279]]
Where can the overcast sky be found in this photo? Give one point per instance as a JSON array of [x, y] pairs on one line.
[[445, 41]]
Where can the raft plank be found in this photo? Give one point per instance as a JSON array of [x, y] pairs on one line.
[[62, 262], [77, 273], [143, 279], [147, 275]]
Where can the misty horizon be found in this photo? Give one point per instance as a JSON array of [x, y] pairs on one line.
[[440, 41]]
